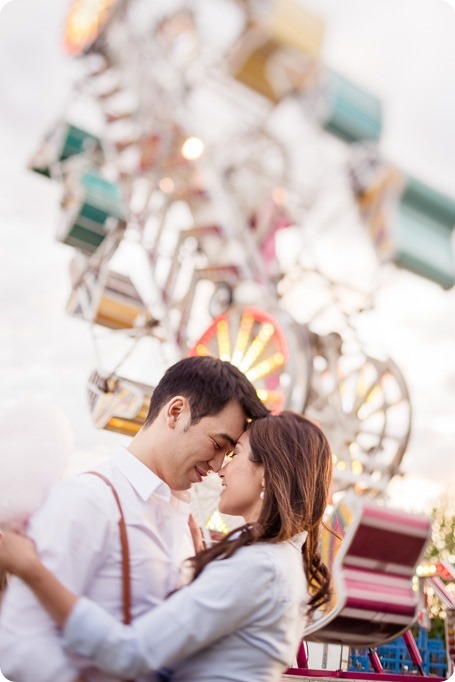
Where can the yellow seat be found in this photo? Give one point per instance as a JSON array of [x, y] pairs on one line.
[[279, 54], [118, 404]]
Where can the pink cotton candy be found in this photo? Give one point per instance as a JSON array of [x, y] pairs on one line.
[[36, 441]]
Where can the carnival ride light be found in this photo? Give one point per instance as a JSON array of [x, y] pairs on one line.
[[354, 448], [86, 19], [425, 570], [357, 467], [224, 349], [167, 185], [257, 346], [201, 349], [217, 523], [192, 148], [266, 367], [246, 325], [360, 488], [244, 335]]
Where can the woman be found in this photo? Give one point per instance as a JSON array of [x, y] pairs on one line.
[[243, 615]]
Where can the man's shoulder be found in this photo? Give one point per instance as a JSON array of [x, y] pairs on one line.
[[83, 481], [83, 489]]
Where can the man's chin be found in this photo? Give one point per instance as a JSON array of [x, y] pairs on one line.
[[181, 487]]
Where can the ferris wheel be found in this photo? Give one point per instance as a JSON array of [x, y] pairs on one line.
[[205, 220]]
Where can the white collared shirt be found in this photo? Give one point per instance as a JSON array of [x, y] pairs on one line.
[[77, 535], [241, 619]]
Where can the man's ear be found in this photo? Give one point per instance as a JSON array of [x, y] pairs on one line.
[[174, 410]]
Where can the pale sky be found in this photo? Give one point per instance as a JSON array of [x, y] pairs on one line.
[[401, 50]]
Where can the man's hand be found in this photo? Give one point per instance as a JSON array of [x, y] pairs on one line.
[[17, 553]]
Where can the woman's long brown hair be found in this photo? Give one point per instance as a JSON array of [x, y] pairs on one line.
[[297, 476]]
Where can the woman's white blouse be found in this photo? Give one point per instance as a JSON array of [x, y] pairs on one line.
[[243, 618]]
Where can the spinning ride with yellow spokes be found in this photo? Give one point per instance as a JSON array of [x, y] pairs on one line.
[[268, 347]]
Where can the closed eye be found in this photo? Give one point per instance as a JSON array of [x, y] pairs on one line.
[[216, 445], [227, 458]]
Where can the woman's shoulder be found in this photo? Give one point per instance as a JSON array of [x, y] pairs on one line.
[[273, 569], [270, 557]]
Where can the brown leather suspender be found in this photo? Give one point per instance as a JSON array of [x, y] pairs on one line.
[[126, 578]]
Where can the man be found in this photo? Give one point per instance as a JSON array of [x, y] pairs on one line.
[[198, 411]]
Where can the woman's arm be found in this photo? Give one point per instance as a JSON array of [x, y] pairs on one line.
[[18, 556], [192, 619]]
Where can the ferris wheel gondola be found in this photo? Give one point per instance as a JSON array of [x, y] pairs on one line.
[[118, 404]]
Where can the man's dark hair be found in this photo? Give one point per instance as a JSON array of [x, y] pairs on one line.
[[208, 384]]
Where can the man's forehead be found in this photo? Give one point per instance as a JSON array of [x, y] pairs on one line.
[[231, 422], [230, 438]]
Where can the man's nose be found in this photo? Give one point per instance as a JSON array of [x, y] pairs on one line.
[[217, 461]]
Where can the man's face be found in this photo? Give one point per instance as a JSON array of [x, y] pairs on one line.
[[196, 449]]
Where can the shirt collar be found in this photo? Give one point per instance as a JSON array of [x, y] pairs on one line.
[[299, 540], [144, 481]]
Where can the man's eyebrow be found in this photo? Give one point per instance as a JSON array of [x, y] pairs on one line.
[[227, 437]]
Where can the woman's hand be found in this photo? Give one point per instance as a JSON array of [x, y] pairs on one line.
[[17, 553], [196, 534], [18, 556]]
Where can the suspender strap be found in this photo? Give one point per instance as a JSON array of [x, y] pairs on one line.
[[126, 578]]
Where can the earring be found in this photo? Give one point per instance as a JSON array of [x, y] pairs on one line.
[[262, 494]]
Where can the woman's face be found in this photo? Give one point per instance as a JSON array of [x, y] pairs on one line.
[[242, 482]]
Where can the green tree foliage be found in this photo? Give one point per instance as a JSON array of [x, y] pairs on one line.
[[442, 544], [441, 548]]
